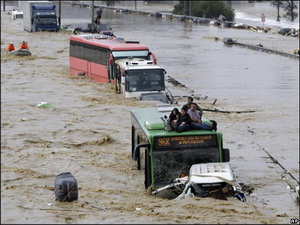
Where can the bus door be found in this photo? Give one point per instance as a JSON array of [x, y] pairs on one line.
[[148, 176], [142, 156], [110, 67]]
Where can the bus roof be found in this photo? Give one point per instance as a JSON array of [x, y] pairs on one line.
[[150, 120], [105, 41]]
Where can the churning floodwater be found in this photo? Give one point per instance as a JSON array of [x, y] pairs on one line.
[[239, 78]]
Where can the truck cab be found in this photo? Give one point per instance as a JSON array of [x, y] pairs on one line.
[[137, 76], [44, 18], [39, 16]]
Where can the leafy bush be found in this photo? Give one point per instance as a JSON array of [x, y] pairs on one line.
[[207, 9]]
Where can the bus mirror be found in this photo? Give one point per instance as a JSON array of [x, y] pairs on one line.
[[226, 155], [111, 60], [137, 150], [153, 58]]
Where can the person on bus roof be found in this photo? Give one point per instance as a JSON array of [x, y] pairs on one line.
[[24, 45], [174, 115], [184, 121], [171, 121], [196, 123], [10, 47], [188, 106]]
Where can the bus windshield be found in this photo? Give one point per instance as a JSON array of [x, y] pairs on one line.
[[169, 165], [145, 80], [136, 54], [173, 156]]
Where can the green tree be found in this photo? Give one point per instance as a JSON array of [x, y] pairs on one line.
[[111, 3], [278, 4], [178, 9], [290, 6], [208, 9]]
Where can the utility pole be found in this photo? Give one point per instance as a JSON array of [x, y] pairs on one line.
[[59, 14], [292, 10], [93, 24], [187, 8], [4, 5], [135, 4]]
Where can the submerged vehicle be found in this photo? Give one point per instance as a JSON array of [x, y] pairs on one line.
[[178, 164], [142, 79], [17, 14], [101, 28], [95, 55], [204, 180], [39, 16]]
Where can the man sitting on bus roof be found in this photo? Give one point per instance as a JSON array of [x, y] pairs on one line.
[[196, 123], [189, 103], [184, 121]]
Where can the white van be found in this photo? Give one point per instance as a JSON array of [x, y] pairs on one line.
[[17, 14]]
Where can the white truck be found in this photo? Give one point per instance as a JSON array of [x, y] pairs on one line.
[[39, 16], [142, 79], [17, 14]]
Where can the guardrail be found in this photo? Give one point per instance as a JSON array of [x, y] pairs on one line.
[[229, 41]]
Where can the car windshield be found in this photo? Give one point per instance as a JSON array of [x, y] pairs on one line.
[[155, 97], [103, 27]]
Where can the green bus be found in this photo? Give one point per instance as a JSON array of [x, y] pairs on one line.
[[167, 155]]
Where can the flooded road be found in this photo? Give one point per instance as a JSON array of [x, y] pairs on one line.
[[252, 80], [240, 79]]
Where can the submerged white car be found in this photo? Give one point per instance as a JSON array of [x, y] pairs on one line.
[[204, 180]]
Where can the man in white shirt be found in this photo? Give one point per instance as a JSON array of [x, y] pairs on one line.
[[196, 123]]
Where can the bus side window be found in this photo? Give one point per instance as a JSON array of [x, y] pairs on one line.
[[98, 56], [93, 55]]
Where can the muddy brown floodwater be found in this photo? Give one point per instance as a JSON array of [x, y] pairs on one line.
[[87, 132]]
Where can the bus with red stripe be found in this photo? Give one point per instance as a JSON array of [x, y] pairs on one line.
[[94, 55]]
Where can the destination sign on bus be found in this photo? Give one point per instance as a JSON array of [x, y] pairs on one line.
[[45, 13], [185, 141]]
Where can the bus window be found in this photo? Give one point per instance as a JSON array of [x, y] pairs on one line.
[[136, 54], [93, 55]]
